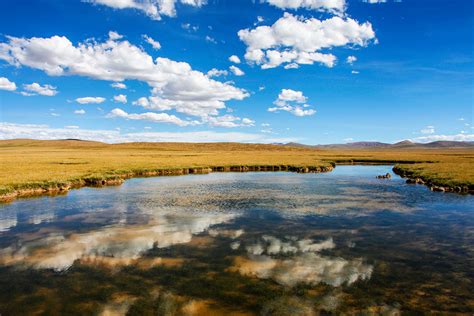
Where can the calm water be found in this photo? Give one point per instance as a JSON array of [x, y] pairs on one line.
[[240, 243]]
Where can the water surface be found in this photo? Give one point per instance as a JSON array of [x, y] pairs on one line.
[[240, 243]]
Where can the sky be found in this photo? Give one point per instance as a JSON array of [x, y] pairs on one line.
[[261, 71]]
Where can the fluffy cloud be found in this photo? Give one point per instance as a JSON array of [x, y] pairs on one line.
[[80, 112], [35, 88], [121, 98], [293, 39], [89, 100], [462, 137], [33, 131], [227, 121], [152, 8], [214, 72], [428, 130], [176, 84], [235, 59], [374, 1], [149, 116], [333, 6], [351, 59], [155, 44], [6, 84], [118, 85], [292, 101], [236, 71]]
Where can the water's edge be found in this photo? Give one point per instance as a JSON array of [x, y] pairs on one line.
[[118, 179]]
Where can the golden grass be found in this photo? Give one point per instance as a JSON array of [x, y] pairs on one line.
[[28, 163]]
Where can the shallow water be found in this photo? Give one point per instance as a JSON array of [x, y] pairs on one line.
[[240, 243]]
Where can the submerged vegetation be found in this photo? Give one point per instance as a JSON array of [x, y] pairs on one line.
[[29, 167]]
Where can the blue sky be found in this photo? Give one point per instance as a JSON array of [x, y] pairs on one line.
[[311, 71]]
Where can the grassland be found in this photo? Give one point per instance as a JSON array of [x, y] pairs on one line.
[[36, 167]]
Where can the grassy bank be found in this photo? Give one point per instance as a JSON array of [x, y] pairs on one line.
[[37, 167]]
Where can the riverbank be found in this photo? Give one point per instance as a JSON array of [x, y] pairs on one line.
[[30, 168]]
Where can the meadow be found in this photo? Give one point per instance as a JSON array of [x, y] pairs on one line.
[[31, 164]]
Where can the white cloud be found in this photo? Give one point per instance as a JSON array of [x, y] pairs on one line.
[[149, 116], [235, 59], [174, 83], [292, 66], [294, 39], [44, 132], [214, 72], [88, 100], [374, 1], [292, 101], [355, 72], [118, 85], [333, 6], [6, 84], [121, 98], [210, 39], [35, 88], [152, 8], [236, 71], [228, 121], [351, 59], [114, 35], [155, 44], [428, 130], [432, 138], [80, 112], [72, 127]]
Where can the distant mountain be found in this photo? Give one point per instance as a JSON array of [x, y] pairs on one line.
[[402, 144]]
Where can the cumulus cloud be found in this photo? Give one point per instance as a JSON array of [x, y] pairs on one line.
[[149, 116], [305, 264], [210, 39], [118, 85], [235, 59], [227, 121], [214, 72], [374, 1], [462, 137], [293, 39], [36, 88], [292, 101], [176, 84], [155, 44], [6, 84], [121, 98], [80, 112], [236, 71], [89, 100], [428, 130], [333, 6], [34, 131], [351, 59], [154, 9]]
